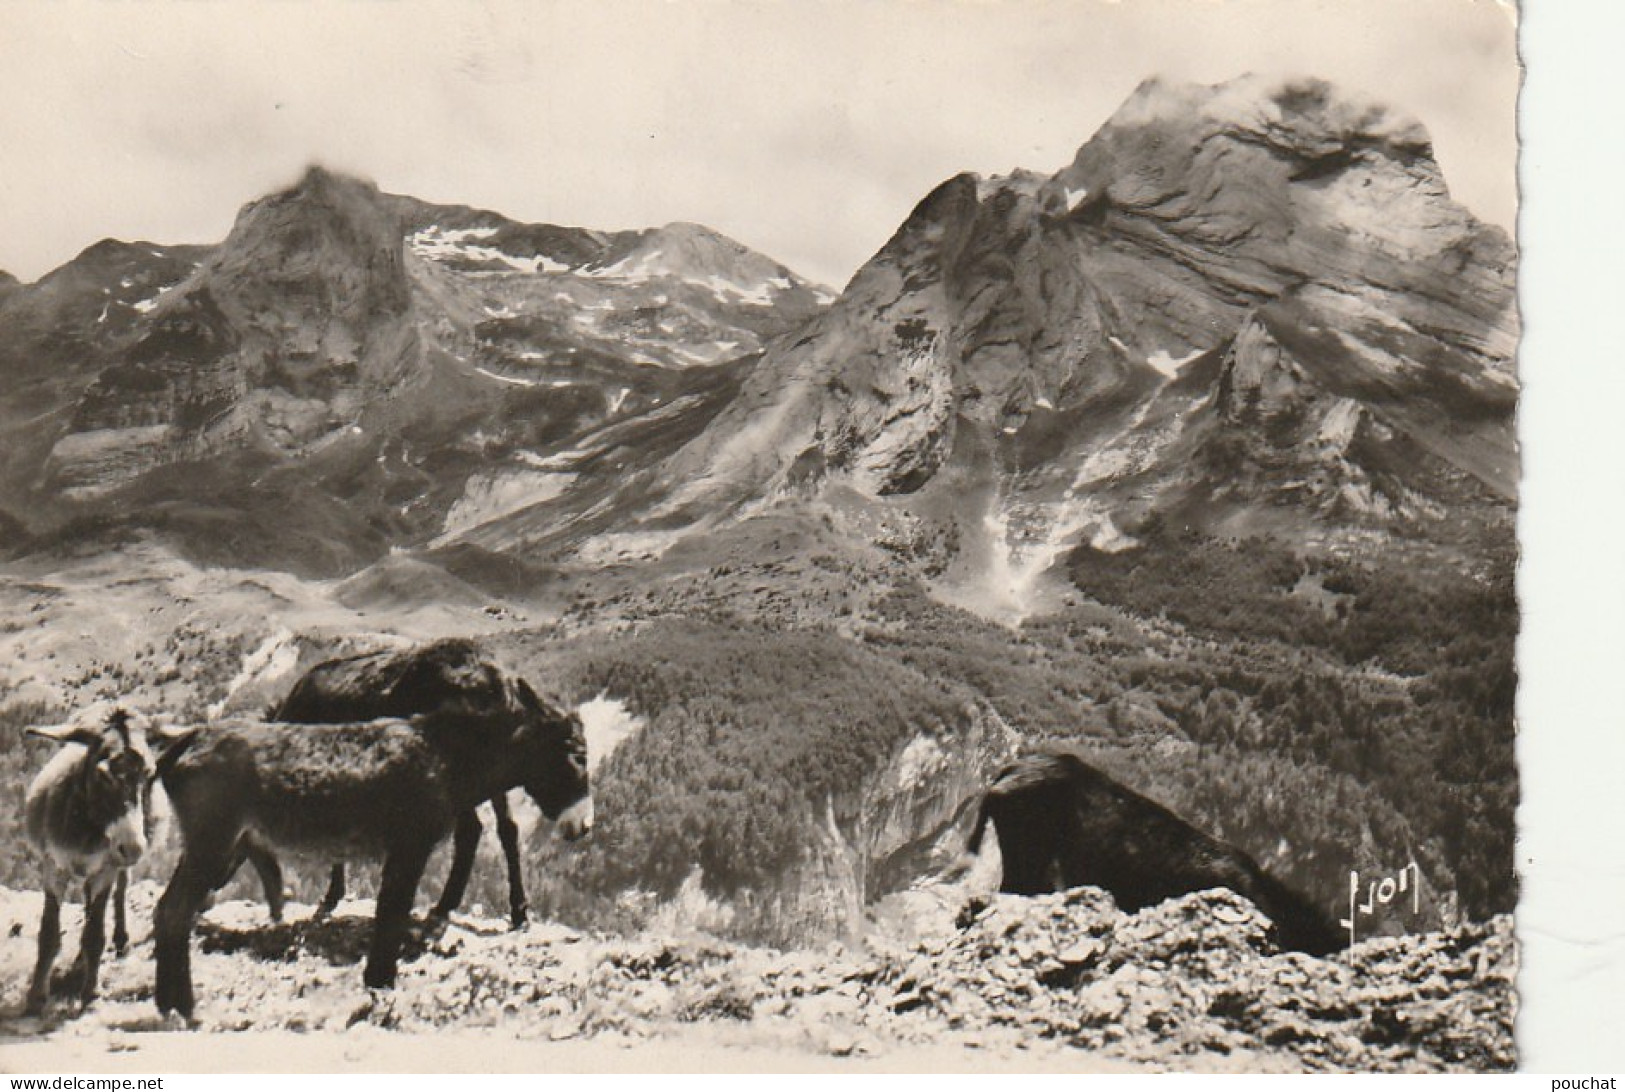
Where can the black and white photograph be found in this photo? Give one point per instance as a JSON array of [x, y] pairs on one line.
[[726, 535]]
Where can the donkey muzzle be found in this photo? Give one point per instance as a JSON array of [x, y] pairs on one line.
[[576, 820]]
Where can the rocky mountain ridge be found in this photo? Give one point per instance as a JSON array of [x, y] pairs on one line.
[[369, 350], [1249, 308]]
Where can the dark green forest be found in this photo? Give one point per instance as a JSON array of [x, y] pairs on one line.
[[750, 731], [1322, 714]]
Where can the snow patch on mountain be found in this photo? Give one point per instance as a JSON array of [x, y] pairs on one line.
[[490, 496], [514, 379], [1340, 422], [441, 245], [1165, 362], [708, 352], [145, 306], [551, 462], [727, 290], [632, 269]]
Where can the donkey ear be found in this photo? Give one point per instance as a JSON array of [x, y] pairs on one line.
[[67, 733]]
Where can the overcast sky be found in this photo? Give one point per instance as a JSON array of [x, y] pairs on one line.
[[805, 129]]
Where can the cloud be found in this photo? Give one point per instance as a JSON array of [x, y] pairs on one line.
[[808, 129]]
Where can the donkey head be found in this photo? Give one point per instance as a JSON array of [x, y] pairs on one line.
[[552, 747], [111, 783]]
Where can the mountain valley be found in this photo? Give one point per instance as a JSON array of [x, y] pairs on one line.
[[1198, 453]]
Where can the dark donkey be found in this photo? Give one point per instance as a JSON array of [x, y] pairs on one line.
[[88, 813], [402, 684], [1062, 823], [390, 787]]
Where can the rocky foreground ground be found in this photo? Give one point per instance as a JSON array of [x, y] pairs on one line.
[[939, 982]]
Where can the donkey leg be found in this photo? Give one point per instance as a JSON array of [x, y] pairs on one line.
[[335, 892], [50, 943], [177, 910], [403, 868], [121, 894], [269, 870], [464, 841], [508, 835], [93, 940]]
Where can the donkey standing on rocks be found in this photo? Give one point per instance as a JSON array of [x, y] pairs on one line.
[[394, 788], [88, 813], [404, 683]]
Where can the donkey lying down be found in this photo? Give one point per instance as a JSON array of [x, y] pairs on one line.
[[1062, 823], [389, 787]]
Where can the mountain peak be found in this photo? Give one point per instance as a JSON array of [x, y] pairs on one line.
[[333, 233], [1280, 172], [1301, 114], [318, 179], [322, 191]]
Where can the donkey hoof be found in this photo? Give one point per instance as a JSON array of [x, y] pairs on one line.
[[69, 983], [175, 1014], [174, 1021], [174, 999]]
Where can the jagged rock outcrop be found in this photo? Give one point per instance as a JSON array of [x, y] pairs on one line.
[[909, 818], [277, 340]]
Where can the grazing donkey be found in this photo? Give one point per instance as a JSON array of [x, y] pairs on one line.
[[390, 787], [403, 684], [88, 813], [1062, 823]]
